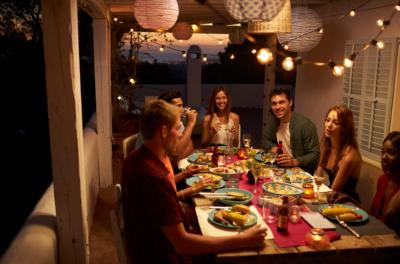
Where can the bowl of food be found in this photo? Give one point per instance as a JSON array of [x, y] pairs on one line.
[[279, 189], [226, 172]]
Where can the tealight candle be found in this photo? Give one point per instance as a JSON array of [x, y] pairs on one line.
[[242, 153], [317, 239], [308, 190]]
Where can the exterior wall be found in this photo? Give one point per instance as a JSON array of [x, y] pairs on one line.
[[317, 89]]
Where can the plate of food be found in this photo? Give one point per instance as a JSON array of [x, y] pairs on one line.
[[345, 212], [218, 181], [236, 196], [297, 177], [200, 158], [280, 189], [226, 172], [236, 217]]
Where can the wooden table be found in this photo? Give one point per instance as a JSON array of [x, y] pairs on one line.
[[348, 249]]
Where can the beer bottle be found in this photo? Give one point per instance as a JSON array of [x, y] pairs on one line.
[[283, 215], [280, 151]]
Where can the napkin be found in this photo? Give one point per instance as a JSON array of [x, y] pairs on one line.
[[209, 229], [316, 220]]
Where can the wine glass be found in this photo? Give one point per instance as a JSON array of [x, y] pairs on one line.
[[318, 182], [256, 170], [247, 140]]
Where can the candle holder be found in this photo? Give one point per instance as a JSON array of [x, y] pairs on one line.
[[317, 238], [242, 153], [308, 190]]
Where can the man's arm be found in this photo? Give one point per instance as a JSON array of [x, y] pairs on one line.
[[185, 144], [309, 138], [269, 135], [187, 243]]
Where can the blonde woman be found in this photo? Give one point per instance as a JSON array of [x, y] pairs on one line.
[[220, 125], [340, 157], [386, 203]]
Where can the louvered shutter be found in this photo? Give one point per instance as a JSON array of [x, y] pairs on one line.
[[368, 92]]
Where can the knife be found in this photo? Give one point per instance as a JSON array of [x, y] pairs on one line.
[[345, 225]]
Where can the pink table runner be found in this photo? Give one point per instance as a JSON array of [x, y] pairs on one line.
[[296, 232]]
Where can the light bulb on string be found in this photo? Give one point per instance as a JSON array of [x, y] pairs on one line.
[[348, 62], [285, 46], [320, 30], [379, 44], [195, 28], [205, 57], [288, 64], [232, 56], [183, 53], [264, 56], [253, 51], [382, 23], [352, 13], [181, 40], [220, 42], [119, 97], [115, 19], [132, 81], [337, 70], [162, 48], [397, 7]]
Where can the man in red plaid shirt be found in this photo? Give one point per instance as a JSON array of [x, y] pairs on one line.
[[154, 221]]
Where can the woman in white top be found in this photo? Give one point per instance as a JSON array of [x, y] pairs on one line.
[[220, 125]]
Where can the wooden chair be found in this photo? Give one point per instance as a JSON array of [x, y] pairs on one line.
[[128, 144], [116, 218]]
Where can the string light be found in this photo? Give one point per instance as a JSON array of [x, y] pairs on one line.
[[115, 19], [352, 13], [195, 28], [382, 23], [264, 56], [119, 97], [285, 46], [220, 42], [205, 57], [232, 56], [348, 62], [397, 7], [321, 30], [162, 48], [184, 54], [337, 70], [288, 64], [379, 44], [132, 81], [253, 51]]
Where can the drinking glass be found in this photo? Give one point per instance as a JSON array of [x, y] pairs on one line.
[[256, 170], [270, 209], [318, 182], [247, 140], [294, 214], [221, 161], [272, 157]]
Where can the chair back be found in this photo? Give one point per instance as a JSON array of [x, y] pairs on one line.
[[116, 218], [128, 144]]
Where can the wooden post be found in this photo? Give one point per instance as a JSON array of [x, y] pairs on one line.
[[61, 50], [193, 83], [269, 81], [102, 66]]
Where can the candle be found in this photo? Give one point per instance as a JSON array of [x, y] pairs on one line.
[[308, 190], [317, 239]]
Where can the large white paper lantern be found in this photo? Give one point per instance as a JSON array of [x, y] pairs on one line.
[[282, 22], [182, 31], [305, 34], [254, 10], [159, 15]]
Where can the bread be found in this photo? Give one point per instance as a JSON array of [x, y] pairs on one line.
[[237, 218], [237, 195], [332, 211], [241, 208]]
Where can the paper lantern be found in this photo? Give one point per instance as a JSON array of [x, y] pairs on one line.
[[159, 15], [254, 10], [305, 34], [282, 22], [182, 31]]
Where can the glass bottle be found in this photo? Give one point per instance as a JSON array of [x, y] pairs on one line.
[[280, 150], [214, 157], [283, 215]]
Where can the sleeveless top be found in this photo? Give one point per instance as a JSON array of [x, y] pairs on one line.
[[223, 135], [349, 186]]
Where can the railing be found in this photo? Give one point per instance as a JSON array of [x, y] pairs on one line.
[[37, 242]]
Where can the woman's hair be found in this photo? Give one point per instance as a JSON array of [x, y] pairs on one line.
[[212, 107], [156, 115], [394, 205], [347, 136], [394, 138]]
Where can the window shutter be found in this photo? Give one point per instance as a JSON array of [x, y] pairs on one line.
[[368, 92]]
